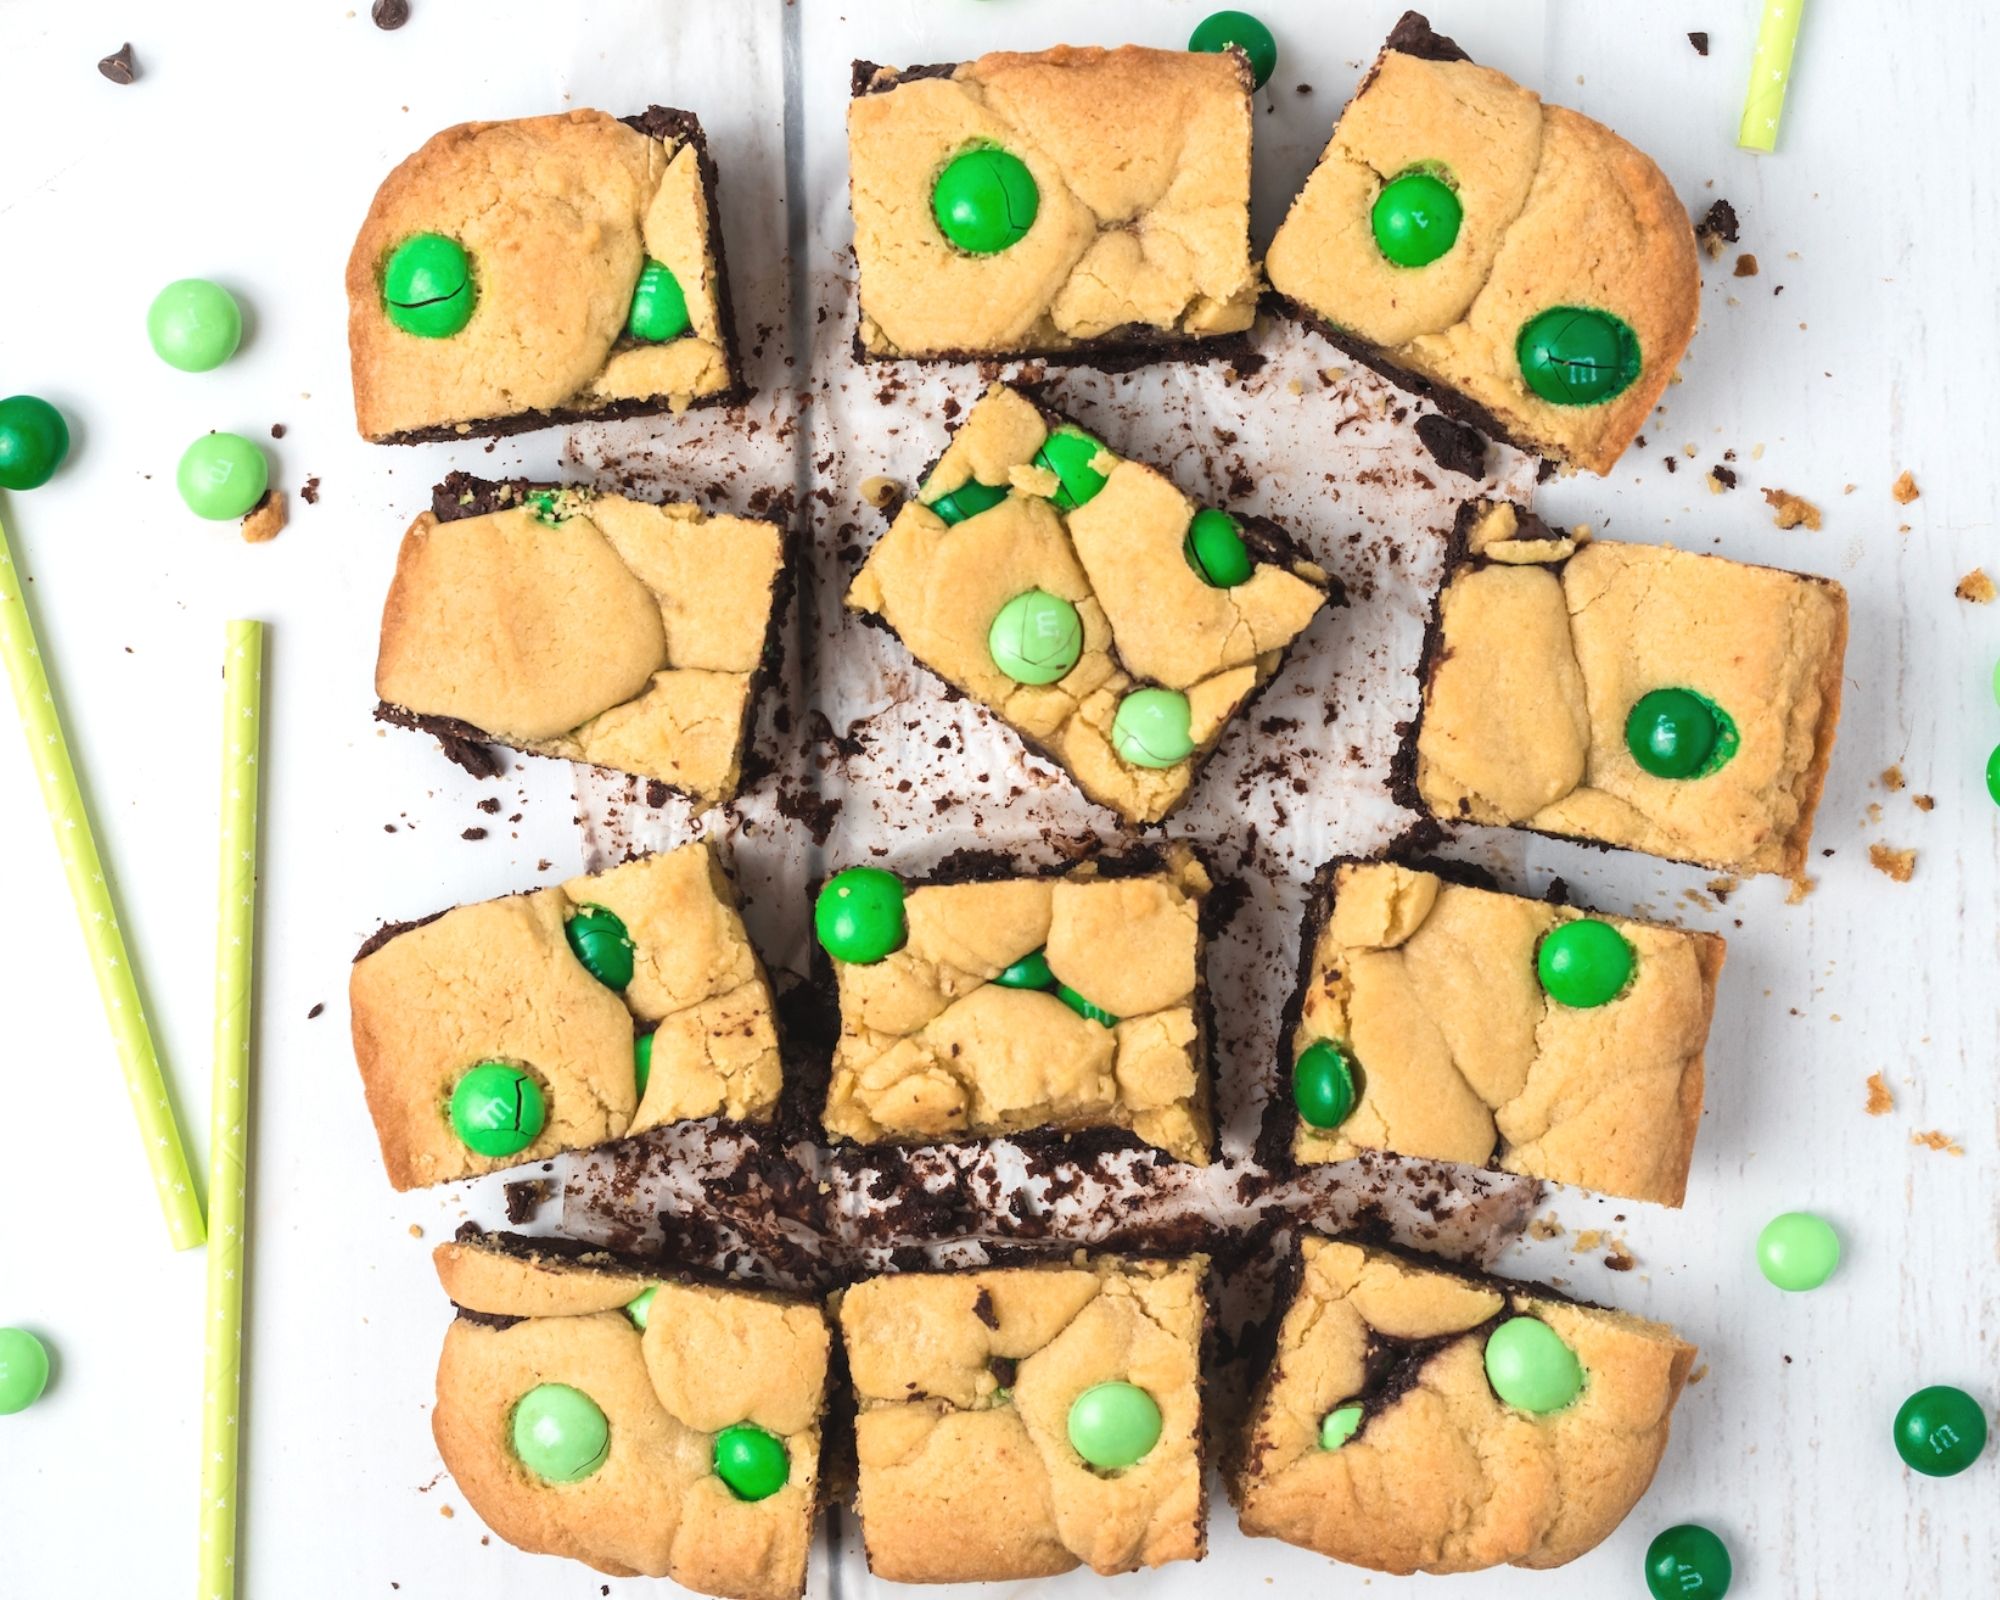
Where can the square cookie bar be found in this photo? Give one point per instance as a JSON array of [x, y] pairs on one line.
[[592, 627], [1023, 1421], [1109, 621], [986, 1001], [1081, 204], [1627, 694], [650, 1426], [516, 275], [1414, 1419], [1519, 265], [1439, 1018], [509, 1030]]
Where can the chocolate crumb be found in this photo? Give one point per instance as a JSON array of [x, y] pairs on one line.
[[1453, 445], [474, 834], [318, 1007], [120, 66], [490, 805], [1700, 43], [526, 1198], [310, 492], [277, 430], [1717, 228], [389, 15]]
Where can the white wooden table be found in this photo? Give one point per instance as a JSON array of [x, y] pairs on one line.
[[247, 152]]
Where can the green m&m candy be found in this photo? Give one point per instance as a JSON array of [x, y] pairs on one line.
[[1798, 1251], [1940, 1431], [1151, 728], [986, 200], [1416, 218], [222, 475], [1676, 733], [1068, 452], [194, 325], [1687, 1563], [642, 1062], [1218, 31], [1530, 1367], [33, 441], [427, 287], [1214, 547], [751, 1462], [1583, 963], [968, 500], [1574, 356], [560, 1433], [24, 1370], [859, 915], [640, 1307], [659, 308], [1338, 1426], [1036, 638], [1993, 775], [1089, 1011], [1030, 972], [602, 945], [1113, 1425], [498, 1110], [1323, 1084]]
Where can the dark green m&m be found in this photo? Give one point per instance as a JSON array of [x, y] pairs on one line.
[[986, 200], [1583, 963], [560, 1433], [1088, 1010], [859, 915], [1153, 728], [1416, 218], [752, 1462], [33, 441], [1030, 972], [427, 287], [1324, 1086], [1114, 1425], [1530, 1367], [1940, 1431], [602, 945], [642, 1062], [1687, 1562], [1214, 547], [1574, 356], [1676, 733], [968, 500], [1068, 452], [1218, 31], [659, 307], [498, 1110]]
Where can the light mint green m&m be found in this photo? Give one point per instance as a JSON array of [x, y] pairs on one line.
[[24, 1370], [194, 325], [222, 475], [1530, 1367], [640, 1307], [1798, 1251], [1113, 1425], [560, 1433], [1036, 638], [1152, 727], [1338, 1426]]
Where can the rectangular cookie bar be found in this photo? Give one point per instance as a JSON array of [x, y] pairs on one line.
[[1081, 204], [1443, 1019], [1632, 695], [506, 1031], [1416, 1419], [591, 627], [1108, 620], [648, 1425], [517, 275], [1023, 1421], [1519, 265], [986, 1001]]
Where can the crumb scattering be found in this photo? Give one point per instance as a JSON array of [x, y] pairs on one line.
[[1937, 1139], [1904, 489], [1900, 865], [1880, 1101], [1975, 587], [1790, 511]]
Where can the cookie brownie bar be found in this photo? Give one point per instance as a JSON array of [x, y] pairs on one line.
[[1020, 1422], [1417, 1420], [1632, 695], [984, 1002], [1084, 204], [593, 627], [1108, 620], [649, 1426], [503, 1032], [1445, 1020], [1518, 264], [516, 275]]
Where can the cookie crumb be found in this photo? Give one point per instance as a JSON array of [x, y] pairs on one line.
[[1880, 1101], [1936, 1139], [1801, 887], [267, 518], [1892, 778], [416, 1231], [1719, 479], [121, 67], [1790, 510], [1924, 802], [1746, 266], [1722, 888], [1904, 489], [881, 492], [446, 1512], [1548, 1227], [1588, 1239], [1699, 1373], [1976, 587], [1898, 864]]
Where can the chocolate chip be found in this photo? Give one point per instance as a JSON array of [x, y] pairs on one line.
[[318, 1007], [120, 67], [277, 430], [1700, 43], [474, 834], [389, 15]]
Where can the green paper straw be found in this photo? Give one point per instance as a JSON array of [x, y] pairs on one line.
[[1770, 74], [90, 888], [229, 1109]]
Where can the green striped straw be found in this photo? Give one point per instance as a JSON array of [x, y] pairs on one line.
[[229, 1110], [1770, 75], [90, 888]]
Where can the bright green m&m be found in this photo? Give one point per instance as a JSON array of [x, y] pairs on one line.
[[222, 475], [859, 915], [1574, 356], [1940, 1431], [1214, 547], [1687, 1563], [24, 1370], [1069, 452], [33, 441], [751, 1462], [1324, 1086], [1993, 775], [1088, 1010], [968, 500], [1338, 1426], [498, 1110], [1416, 218], [1583, 963], [1030, 972], [659, 308], [427, 286], [1036, 638], [640, 1307], [1151, 728], [1798, 1251], [1218, 31], [1113, 1425], [1530, 1367], [602, 945], [194, 325], [986, 200], [1676, 733], [560, 1433], [642, 1062]]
